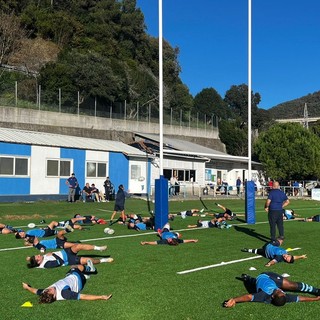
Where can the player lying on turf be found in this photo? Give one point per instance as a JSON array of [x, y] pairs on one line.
[[275, 253], [315, 218], [50, 230], [227, 213], [213, 223], [136, 222], [68, 288], [289, 214], [59, 242], [168, 237], [88, 219], [65, 257], [267, 288], [188, 213], [6, 229]]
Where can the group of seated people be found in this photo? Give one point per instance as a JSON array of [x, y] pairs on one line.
[[92, 193]]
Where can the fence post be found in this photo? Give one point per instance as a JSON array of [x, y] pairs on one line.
[[78, 102], [16, 93], [59, 97], [95, 107], [39, 96], [138, 111]]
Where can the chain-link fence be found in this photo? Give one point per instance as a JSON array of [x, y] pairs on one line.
[[75, 104]]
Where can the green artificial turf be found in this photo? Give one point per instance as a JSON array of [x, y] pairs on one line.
[[144, 279]]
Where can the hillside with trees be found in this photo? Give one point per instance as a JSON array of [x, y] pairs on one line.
[[100, 50], [294, 108]]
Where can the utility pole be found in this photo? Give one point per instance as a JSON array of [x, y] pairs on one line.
[[305, 117]]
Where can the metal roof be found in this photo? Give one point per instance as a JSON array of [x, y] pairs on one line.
[[183, 147], [58, 140]]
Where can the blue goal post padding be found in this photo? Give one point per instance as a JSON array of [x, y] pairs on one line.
[[250, 209], [161, 202]]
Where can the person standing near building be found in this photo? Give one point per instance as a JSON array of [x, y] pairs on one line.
[[238, 185], [107, 187], [72, 183], [119, 204], [275, 203]]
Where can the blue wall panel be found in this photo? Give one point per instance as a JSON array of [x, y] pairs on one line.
[[119, 170], [14, 186], [79, 161], [15, 149]]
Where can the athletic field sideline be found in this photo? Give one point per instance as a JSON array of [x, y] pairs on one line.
[[189, 281]]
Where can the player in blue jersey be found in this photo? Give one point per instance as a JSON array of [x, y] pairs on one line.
[[289, 214], [65, 257], [275, 253], [68, 288], [168, 237], [50, 230], [268, 288]]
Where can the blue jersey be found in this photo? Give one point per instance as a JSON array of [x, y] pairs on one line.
[[274, 252], [266, 284], [141, 226], [169, 235], [288, 214], [277, 198], [39, 233]]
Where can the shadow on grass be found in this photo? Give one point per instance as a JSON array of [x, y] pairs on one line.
[[252, 233], [94, 256]]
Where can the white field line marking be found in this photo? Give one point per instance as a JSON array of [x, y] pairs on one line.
[[224, 263], [105, 210]]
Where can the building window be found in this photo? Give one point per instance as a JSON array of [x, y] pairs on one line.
[[14, 166], [183, 175], [96, 169], [58, 168], [135, 171]]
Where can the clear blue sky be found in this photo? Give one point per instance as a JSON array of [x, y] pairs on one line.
[[213, 39]]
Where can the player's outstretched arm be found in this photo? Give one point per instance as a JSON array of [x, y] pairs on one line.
[[190, 240], [304, 256], [308, 299], [92, 297], [29, 288], [152, 243], [271, 263], [233, 301]]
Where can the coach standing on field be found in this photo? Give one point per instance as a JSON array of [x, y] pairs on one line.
[[275, 203]]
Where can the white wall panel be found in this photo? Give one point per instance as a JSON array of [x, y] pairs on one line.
[[40, 183]]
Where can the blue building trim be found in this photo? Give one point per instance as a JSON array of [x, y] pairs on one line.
[[119, 170], [15, 149], [13, 186], [79, 162]]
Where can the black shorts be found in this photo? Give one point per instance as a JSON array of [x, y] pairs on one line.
[[73, 259], [60, 243], [118, 208], [49, 232]]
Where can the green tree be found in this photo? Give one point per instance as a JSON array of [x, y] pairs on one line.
[[237, 100], [289, 151], [234, 136], [209, 102]]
